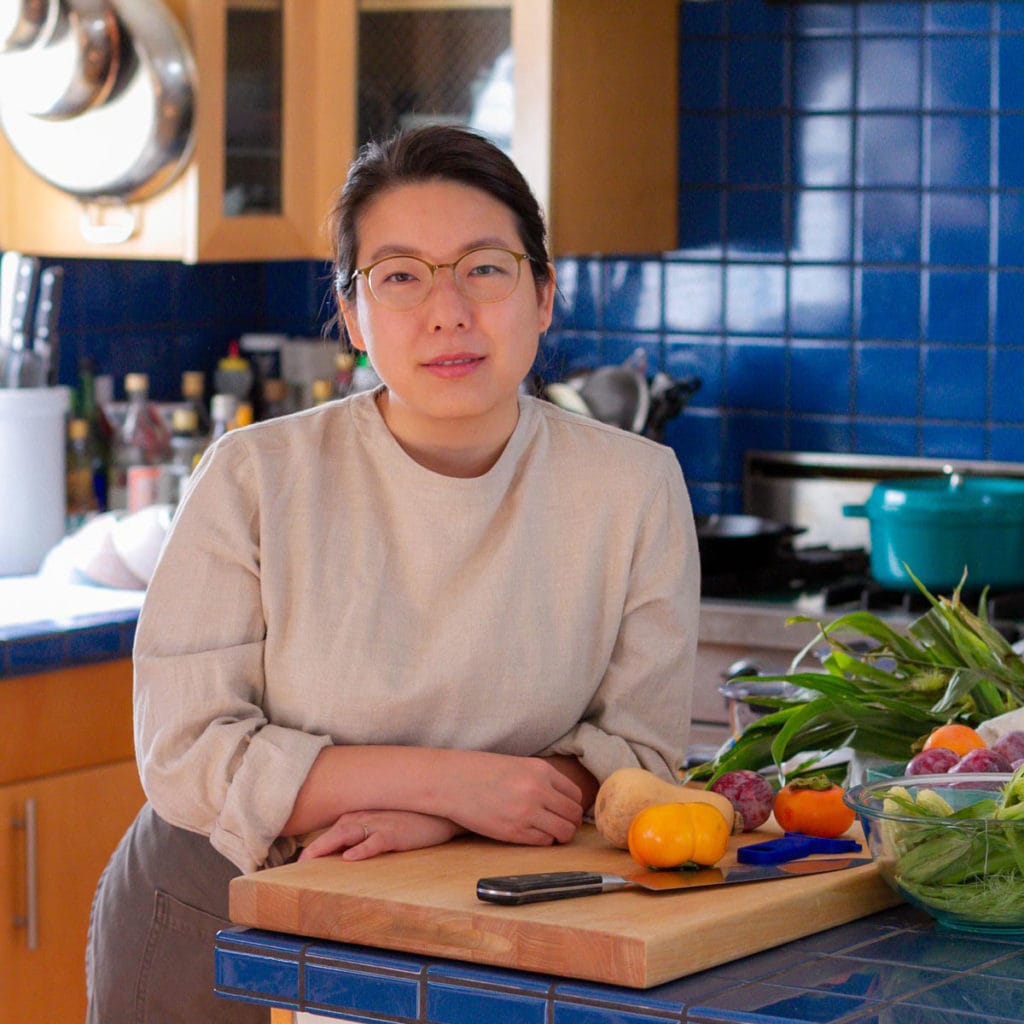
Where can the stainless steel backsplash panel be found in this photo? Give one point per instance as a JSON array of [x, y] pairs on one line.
[[809, 489]]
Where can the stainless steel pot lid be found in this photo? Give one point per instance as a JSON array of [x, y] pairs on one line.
[[73, 70], [136, 142]]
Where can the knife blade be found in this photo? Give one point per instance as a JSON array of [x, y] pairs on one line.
[[45, 340], [512, 890]]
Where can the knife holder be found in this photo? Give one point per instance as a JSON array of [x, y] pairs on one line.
[[32, 488]]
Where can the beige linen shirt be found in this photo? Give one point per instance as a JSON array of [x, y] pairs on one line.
[[319, 586]]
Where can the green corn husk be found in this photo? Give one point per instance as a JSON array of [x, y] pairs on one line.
[[968, 863], [952, 665]]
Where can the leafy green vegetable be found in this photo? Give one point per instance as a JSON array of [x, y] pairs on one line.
[[879, 691]]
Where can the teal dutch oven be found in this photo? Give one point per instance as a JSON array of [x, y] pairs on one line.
[[940, 526]]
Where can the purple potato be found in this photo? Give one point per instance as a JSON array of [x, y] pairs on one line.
[[1010, 746], [750, 794], [981, 760], [932, 762]]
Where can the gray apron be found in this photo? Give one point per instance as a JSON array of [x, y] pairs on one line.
[[158, 906]]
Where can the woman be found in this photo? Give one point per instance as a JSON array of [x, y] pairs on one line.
[[435, 608]]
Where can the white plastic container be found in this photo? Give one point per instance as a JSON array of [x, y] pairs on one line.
[[32, 494]]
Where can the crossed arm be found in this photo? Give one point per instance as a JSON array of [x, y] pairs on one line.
[[369, 800]]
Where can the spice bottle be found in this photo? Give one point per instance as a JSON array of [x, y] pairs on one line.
[[193, 390]]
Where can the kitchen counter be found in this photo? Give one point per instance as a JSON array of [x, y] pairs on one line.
[[46, 625], [894, 967]]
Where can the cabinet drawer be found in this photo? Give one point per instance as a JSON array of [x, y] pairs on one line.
[[64, 720]]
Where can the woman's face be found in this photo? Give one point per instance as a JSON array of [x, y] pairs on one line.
[[452, 366]]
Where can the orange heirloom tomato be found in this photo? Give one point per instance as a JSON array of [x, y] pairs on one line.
[[814, 807], [712, 834], [669, 835]]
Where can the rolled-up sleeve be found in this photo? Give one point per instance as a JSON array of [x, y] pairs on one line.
[[209, 759], [640, 713]]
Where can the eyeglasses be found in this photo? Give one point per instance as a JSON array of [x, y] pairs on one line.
[[482, 275]]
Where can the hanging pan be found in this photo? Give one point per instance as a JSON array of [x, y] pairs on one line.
[[134, 140]]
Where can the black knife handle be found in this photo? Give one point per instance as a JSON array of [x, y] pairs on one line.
[[512, 890]]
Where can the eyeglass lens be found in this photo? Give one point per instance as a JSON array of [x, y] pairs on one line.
[[483, 275]]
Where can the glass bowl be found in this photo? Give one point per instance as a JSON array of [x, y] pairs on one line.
[[936, 845]]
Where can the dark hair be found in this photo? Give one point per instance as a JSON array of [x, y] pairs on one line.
[[426, 153]]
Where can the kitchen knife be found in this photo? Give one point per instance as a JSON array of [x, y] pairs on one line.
[[8, 286], [24, 294], [45, 340], [562, 885], [23, 367]]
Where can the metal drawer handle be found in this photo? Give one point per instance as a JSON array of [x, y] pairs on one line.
[[30, 922]]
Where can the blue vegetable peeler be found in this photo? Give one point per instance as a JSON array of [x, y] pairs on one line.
[[792, 846]]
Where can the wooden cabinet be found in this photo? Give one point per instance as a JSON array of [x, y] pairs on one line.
[[592, 88], [302, 99], [596, 125], [594, 130], [68, 790]]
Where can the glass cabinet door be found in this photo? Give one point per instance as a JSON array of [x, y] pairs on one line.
[[253, 107], [435, 61]]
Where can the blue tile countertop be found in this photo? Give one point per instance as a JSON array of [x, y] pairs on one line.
[[45, 626], [892, 968]]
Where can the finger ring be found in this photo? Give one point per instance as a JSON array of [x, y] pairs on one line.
[[366, 833]]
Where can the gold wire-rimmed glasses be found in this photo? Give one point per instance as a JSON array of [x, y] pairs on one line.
[[486, 274]]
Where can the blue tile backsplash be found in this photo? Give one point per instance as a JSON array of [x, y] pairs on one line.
[[850, 265]]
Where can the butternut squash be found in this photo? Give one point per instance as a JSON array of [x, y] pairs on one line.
[[628, 791]]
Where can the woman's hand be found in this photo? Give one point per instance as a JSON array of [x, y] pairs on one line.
[[533, 801], [364, 834], [524, 800]]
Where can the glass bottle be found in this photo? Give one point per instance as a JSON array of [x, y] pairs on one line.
[[90, 400], [82, 502], [344, 364], [321, 390], [275, 397], [193, 390], [187, 446], [143, 439]]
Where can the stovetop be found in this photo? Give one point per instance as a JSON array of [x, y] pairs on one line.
[[790, 572], [830, 581]]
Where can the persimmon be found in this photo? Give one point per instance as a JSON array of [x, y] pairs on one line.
[[814, 807], [956, 737]]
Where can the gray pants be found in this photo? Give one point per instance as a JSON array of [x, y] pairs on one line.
[[158, 906]]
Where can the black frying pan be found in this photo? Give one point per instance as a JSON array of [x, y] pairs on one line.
[[729, 543]]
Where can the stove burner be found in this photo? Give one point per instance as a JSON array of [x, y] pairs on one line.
[[1005, 607], [791, 571]]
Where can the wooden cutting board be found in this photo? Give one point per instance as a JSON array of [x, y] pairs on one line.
[[424, 901]]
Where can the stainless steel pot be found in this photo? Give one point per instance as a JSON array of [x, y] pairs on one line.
[[136, 135], [938, 527], [73, 69], [25, 23]]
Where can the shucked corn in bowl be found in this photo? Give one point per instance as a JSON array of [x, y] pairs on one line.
[[952, 845]]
